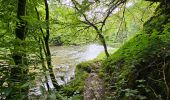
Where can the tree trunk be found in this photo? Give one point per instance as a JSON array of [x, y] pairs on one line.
[[46, 39], [19, 54], [42, 48], [102, 39], [43, 64], [19, 72]]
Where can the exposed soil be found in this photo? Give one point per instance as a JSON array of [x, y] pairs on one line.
[[94, 86]]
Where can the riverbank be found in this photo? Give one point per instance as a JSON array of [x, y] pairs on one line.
[[64, 61], [87, 81], [65, 58]]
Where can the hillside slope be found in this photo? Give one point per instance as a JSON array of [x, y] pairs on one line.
[[140, 69]]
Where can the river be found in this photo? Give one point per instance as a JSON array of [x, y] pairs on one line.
[[65, 59]]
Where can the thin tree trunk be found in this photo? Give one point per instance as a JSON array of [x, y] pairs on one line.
[[43, 64], [46, 39], [102, 39], [41, 47]]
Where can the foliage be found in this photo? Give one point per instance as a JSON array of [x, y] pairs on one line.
[[10, 89], [139, 69], [126, 23], [67, 27], [123, 24]]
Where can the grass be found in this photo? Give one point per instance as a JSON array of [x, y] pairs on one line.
[[102, 55]]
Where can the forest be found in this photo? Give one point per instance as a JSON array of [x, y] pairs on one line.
[[84, 50]]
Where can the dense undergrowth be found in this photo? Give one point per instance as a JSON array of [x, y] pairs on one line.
[[140, 68]]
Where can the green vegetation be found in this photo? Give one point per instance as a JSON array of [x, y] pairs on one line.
[[137, 68], [102, 55], [75, 88]]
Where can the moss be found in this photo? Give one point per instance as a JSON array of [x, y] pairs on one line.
[[144, 57], [76, 86]]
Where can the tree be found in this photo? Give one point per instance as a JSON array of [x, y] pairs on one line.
[[19, 71], [46, 40], [43, 40], [94, 22]]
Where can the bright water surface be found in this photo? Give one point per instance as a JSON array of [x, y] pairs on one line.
[[65, 58]]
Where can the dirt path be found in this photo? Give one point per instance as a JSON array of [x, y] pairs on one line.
[[94, 87]]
